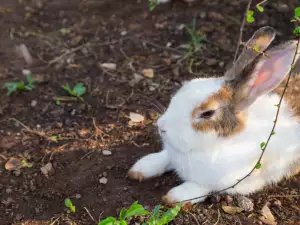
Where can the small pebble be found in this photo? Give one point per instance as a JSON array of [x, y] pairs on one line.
[[48, 168], [104, 174], [149, 73], [73, 112], [277, 203], [8, 190], [221, 64], [123, 33], [38, 126], [106, 152], [181, 27], [33, 103], [59, 125], [17, 173], [103, 180], [245, 203], [109, 66], [78, 196]]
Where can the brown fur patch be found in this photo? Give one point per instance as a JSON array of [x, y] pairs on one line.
[[225, 122]]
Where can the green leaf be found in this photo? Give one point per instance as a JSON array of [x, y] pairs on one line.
[[256, 48], [29, 79], [20, 85], [108, 221], [122, 215], [68, 202], [155, 214], [250, 19], [262, 145], [79, 89], [73, 208], [170, 214], [297, 12], [152, 7], [28, 87], [68, 89], [53, 138], [123, 222], [57, 102], [258, 166], [260, 8], [296, 31], [25, 163], [136, 210], [273, 133], [250, 13]]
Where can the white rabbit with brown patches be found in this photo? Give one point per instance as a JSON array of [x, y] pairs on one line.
[[213, 128]]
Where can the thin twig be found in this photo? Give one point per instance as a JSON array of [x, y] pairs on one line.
[[69, 52], [88, 212], [219, 215], [269, 138], [262, 2], [28, 130], [241, 31], [195, 218], [283, 196], [163, 47]]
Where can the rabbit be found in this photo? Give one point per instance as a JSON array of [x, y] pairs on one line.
[[213, 127]]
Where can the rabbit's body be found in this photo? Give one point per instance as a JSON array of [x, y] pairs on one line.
[[213, 128], [222, 161]]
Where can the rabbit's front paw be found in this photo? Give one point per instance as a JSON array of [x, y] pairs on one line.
[[149, 166], [187, 192]]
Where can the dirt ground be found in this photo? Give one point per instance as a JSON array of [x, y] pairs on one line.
[[68, 40]]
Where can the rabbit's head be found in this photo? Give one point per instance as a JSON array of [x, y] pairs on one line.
[[205, 110]]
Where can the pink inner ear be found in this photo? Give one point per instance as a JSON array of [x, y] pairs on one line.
[[262, 78], [269, 72]]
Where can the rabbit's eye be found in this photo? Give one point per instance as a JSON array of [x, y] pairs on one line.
[[208, 114]]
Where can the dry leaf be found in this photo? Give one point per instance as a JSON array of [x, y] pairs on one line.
[[267, 217], [13, 164], [136, 118], [149, 73], [232, 210]]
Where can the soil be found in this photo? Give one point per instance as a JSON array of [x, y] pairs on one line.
[[68, 41]]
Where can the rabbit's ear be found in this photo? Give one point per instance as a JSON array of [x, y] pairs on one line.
[[267, 74], [260, 40]]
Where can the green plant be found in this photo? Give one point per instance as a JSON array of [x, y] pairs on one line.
[[25, 163], [19, 86], [250, 13], [78, 90], [152, 4], [196, 37], [69, 204], [156, 217], [296, 18]]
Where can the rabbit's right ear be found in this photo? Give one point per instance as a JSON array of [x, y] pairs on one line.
[[260, 40]]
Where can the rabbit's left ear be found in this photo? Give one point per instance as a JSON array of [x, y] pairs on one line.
[[267, 74]]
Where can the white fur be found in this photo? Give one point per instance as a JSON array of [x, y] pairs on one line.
[[209, 163]]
